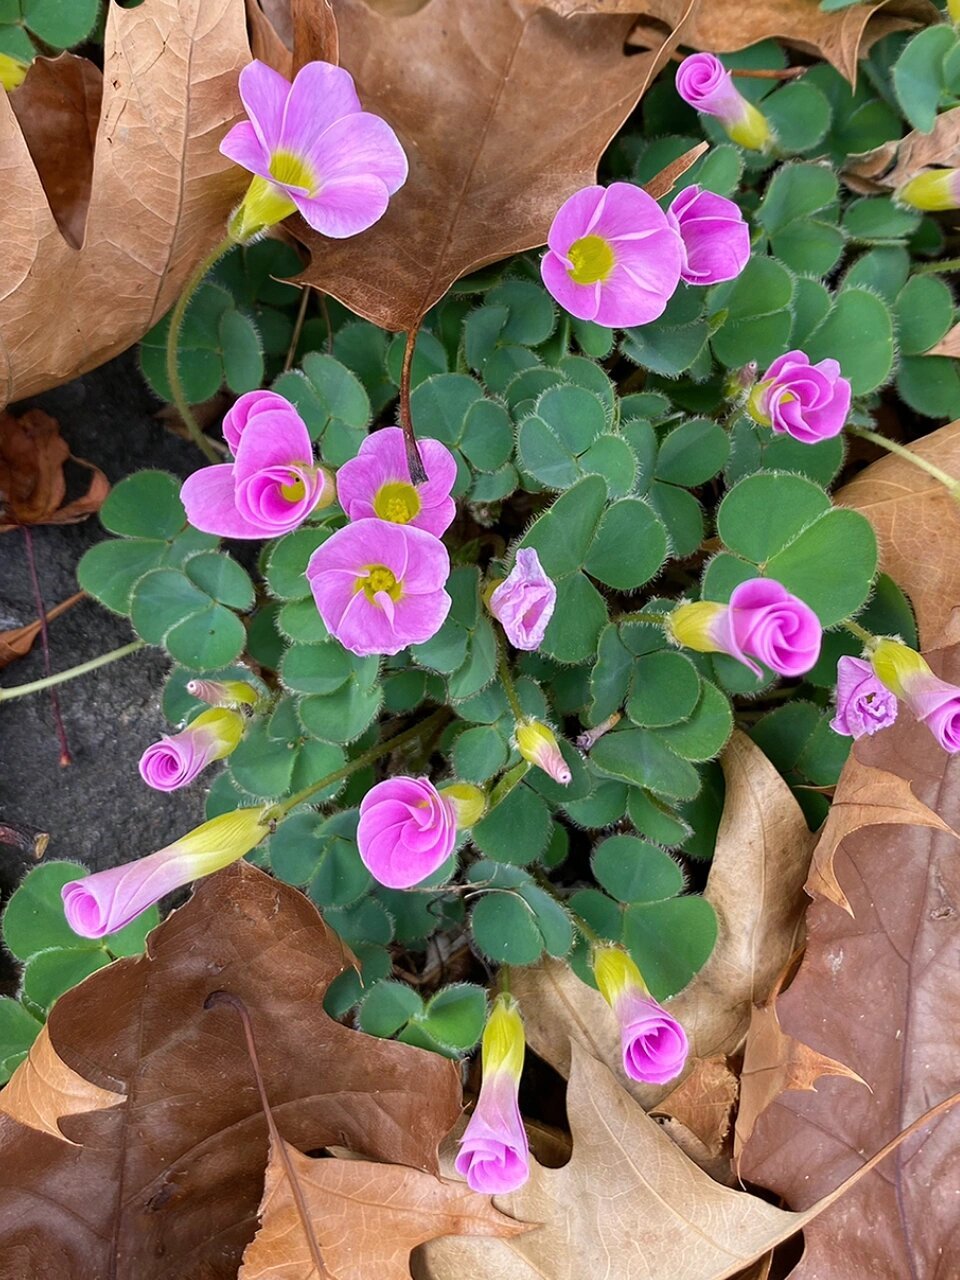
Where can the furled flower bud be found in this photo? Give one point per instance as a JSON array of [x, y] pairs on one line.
[[494, 1153], [469, 802], [223, 693], [807, 401], [523, 603], [654, 1044], [716, 240], [538, 745], [12, 71], [864, 704], [177, 759], [763, 620], [705, 83], [933, 701], [407, 830], [933, 191], [108, 900]]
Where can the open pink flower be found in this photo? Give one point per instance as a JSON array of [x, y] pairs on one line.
[[108, 900], [653, 1043], [613, 257], [271, 487], [864, 704], [716, 240], [705, 83], [177, 759], [313, 149], [494, 1154], [407, 829], [379, 586], [807, 401], [763, 620], [523, 603], [377, 483]]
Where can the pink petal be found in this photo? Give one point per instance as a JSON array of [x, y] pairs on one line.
[[209, 498], [272, 439], [243, 147], [358, 146], [574, 218], [344, 207], [264, 95], [320, 95], [581, 300]]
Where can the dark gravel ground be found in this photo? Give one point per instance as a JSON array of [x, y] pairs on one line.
[[97, 810]]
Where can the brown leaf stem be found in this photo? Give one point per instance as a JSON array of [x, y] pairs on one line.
[[414, 462], [65, 757]]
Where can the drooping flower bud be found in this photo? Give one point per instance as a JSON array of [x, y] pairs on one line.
[[716, 239], [933, 191], [223, 693], [934, 702], [177, 759], [705, 83], [12, 71], [864, 703], [469, 802], [539, 746], [654, 1044], [407, 830], [494, 1153], [108, 900], [523, 603]]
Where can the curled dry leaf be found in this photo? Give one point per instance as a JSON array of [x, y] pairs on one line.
[[664, 182], [496, 142], [756, 888], [32, 483], [917, 525], [891, 165], [44, 1089], [722, 26], [159, 191], [879, 990], [703, 1102], [168, 1185], [18, 642], [366, 1218]]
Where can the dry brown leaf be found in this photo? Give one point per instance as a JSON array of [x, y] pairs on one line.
[[756, 888], [772, 1063], [18, 642], [159, 193], [167, 1187], [917, 525], [496, 139], [880, 991], [366, 1218], [949, 344], [723, 26], [894, 163], [43, 1090], [703, 1102], [664, 182], [32, 483]]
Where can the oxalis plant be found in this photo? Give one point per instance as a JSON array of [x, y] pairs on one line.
[[472, 659]]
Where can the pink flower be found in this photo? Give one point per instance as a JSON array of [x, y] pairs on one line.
[[716, 240], [538, 745], [273, 485], [763, 620], [377, 483], [933, 701], [108, 900], [705, 83], [176, 760], [249, 406], [223, 693], [312, 148], [613, 257], [494, 1154], [653, 1043], [379, 586], [523, 603], [807, 401], [407, 829], [864, 704]]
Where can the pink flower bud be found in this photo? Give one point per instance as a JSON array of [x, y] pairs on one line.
[[705, 83], [807, 401], [538, 745], [933, 190], [407, 829], [226, 693], [523, 603], [653, 1043], [494, 1153], [108, 900], [716, 240], [176, 760], [864, 704], [933, 701]]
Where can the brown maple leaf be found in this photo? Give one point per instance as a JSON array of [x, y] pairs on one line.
[[32, 483]]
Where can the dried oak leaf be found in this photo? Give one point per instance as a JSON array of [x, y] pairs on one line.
[[366, 1218], [158, 190], [43, 1090], [32, 483], [503, 111], [880, 992], [167, 1186], [703, 1102], [723, 26], [18, 642], [756, 888], [917, 524], [894, 163]]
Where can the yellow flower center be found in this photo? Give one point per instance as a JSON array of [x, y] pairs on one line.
[[397, 502], [592, 259], [295, 491], [379, 578], [290, 170]]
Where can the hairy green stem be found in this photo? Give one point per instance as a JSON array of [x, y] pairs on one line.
[[936, 268], [860, 632], [173, 341], [35, 686], [509, 688], [655, 619], [949, 482]]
